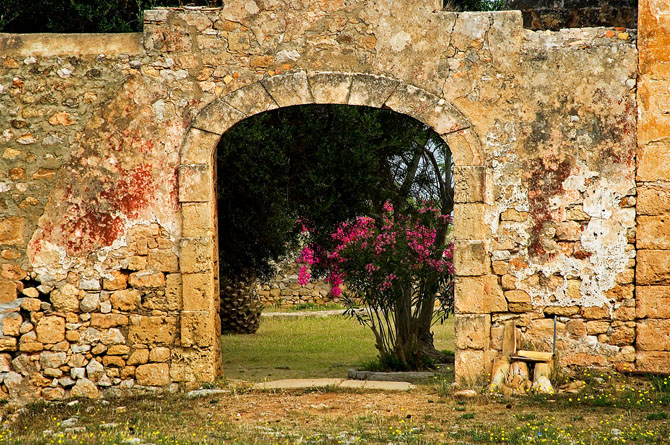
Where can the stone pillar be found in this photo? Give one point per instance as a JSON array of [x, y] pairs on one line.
[[653, 184], [475, 287], [200, 327]]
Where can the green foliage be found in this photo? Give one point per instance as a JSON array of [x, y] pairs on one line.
[[20, 16], [326, 164], [659, 415], [473, 5]]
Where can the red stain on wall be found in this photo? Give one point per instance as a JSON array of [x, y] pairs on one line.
[[545, 181]]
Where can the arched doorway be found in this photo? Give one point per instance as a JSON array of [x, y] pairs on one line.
[[199, 252]]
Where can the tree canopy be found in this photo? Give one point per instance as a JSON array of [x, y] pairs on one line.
[[79, 16], [322, 163]]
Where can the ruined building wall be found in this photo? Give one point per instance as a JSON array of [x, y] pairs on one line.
[[652, 292], [107, 229]]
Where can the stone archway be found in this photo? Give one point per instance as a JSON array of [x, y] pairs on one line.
[[199, 253]]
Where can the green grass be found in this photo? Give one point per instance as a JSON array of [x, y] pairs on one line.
[[306, 307], [286, 348]]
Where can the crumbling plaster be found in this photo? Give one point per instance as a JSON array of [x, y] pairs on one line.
[[107, 150]]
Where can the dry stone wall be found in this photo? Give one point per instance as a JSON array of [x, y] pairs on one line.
[[107, 218], [284, 289]]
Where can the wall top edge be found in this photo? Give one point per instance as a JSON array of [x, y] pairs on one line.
[[70, 44]]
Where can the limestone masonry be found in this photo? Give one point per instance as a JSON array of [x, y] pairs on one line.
[[108, 250]]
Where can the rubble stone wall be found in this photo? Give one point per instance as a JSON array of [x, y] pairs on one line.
[[107, 213], [284, 289]]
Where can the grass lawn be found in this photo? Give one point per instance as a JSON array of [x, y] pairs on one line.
[[286, 348]]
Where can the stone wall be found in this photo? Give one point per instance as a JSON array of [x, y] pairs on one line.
[[284, 290], [653, 185], [107, 216], [557, 14]]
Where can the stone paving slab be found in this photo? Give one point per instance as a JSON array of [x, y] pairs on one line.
[[298, 383], [340, 383]]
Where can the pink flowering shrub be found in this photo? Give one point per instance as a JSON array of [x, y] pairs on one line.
[[397, 266]]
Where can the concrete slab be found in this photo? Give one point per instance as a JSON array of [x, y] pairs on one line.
[[388, 386], [340, 383], [298, 383], [353, 384]]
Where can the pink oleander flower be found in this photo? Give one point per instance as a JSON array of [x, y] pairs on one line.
[[303, 277]]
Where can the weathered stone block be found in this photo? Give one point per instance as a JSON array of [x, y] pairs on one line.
[[196, 255], [199, 146], [138, 357], [469, 223], [52, 359], [469, 295], [653, 232], [472, 331], [218, 117], [163, 261], [85, 388], [8, 344], [159, 354], [597, 327], [146, 279], [563, 311], [653, 267], [653, 335], [197, 219], [494, 295], [289, 89], [470, 365], [470, 184], [11, 230], [7, 291], [11, 324], [518, 301], [50, 329], [576, 328], [251, 99], [654, 158], [108, 320], [513, 215], [197, 329], [435, 112], [652, 301], [195, 183], [173, 291], [371, 91], [152, 330], [118, 350], [653, 199], [66, 299], [198, 292], [465, 147], [652, 361], [115, 281], [330, 88], [595, 312], [470, 258], [125, 300]]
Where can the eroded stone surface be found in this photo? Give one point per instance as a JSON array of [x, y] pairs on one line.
[[107, 176]]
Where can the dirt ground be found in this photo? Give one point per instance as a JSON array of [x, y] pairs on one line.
[[614, 412]]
